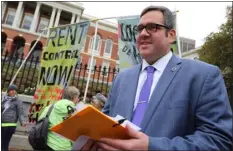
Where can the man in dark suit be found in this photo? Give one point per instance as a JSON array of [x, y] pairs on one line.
[[179, 104]]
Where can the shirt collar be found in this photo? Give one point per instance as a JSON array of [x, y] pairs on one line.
[[160, 64]]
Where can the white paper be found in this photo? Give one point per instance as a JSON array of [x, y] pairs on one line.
[[135, 127], [80, 142]]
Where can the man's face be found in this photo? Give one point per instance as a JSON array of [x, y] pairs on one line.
[[96, 104], [156, 44], [76, 99]]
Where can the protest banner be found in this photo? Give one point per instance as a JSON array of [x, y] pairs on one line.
[[58, 62], [128, 53]]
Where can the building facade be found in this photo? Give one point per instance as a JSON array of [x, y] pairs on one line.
[[192, 54], [22, 23], [186, 44]]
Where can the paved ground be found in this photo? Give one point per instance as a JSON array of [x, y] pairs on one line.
[[19, 142]]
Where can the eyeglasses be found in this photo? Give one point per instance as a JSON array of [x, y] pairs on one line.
[[150, 28]]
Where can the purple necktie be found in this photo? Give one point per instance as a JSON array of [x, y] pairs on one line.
[[143, 97]]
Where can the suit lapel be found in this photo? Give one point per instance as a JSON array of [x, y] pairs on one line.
[[131, 91], [166, 78]]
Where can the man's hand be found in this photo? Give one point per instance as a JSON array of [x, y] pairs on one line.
[[138, 141]]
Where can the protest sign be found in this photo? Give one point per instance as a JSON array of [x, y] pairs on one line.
[[58, 62], [128, 53]]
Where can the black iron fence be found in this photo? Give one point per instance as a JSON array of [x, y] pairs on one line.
[[26, 80]]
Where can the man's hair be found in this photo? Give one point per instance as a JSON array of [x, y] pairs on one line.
[[100, 98], [167, 14], [70, 93]]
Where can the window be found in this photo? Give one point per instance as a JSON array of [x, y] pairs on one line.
[[27, 21], [106, 65], [97, 44], [93, 64], [184, 48], [44, 22], [108, 48], [190, 46], [10, 16]]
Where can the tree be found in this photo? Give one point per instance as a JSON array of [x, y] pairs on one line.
[[217, 50]]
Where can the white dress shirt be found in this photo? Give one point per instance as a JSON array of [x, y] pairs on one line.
[[159, 65]]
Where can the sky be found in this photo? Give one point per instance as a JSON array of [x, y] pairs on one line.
[[196, 20]]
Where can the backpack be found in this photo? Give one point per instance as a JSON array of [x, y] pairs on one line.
[[38, 134]]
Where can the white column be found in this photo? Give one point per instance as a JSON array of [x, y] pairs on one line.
[[78, 19], [73, 17], [35, 17], [3, 9], [21, 15], [57, 17], [51, 21], [17, 14]]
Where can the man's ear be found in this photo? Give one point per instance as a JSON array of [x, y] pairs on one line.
[[172, 36]]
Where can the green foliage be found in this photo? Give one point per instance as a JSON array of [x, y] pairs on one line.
[[217, 50], [29, 91]]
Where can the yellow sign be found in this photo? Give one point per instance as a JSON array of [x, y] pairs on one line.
[[58, 62]]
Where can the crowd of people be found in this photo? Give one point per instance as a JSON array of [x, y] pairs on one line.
[[12, 111], [179, 104]]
